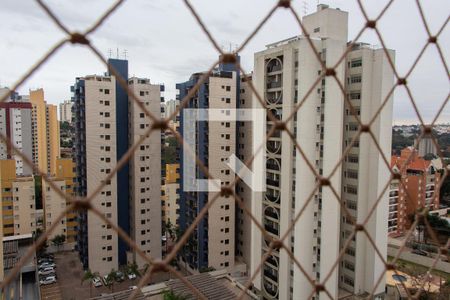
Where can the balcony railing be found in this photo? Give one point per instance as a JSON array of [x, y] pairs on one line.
[[273, 85]]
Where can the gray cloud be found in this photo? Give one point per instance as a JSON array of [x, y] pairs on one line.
[[165, 44]]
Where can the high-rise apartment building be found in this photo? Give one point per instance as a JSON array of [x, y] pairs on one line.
[[54, 204], [106, 124], [18, 200], [45, 133], [213, 242], [426, 146], [65, 111], [171, 107], [419, 188], [323, 126], [15, 124]]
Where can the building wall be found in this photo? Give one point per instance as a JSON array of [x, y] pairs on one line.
[[284, 73], [171, 195], [65, 111], [245, 152], [53, 149], [7, 176], [15, 124], [54, 204], [221, 144], [24, 206], [145, 172], [100, 155], [39, 129]]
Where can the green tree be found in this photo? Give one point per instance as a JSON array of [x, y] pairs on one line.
[[170, 295], [111, 278], [58, 240], [88, 275], [133, 269]]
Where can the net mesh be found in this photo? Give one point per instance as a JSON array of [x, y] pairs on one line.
[[77, 203]]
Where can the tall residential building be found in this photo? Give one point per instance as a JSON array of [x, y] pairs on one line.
[[426, 146], [323, 126], [245, 152], [213, 242], [171, 194], [171, 107], [54, 204], [106, 124], [15, 124], [18, 200], [45, 133], [418, 189], [65, 111]]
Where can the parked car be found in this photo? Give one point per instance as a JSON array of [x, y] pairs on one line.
[[46, 271], [96, 282], [131, 276], [48, 280], [419, 252], [120, 276], [47, 265], [105, 280], [45, 260]]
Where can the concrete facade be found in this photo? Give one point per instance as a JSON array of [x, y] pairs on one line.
[[285, 73], [213, 244], [45, 133], [18, 201], [65, 111], [171, 194], [107, 123], [145, 172], [15, 123]]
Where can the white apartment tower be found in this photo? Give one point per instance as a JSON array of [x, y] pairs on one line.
[[145, 171], [323, 126], [65, 111], [107, 122]]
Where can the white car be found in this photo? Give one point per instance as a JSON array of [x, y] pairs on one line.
[[96, 282], [48, 280], [46, 271], [105, 280], [46, 265], [131, 276]]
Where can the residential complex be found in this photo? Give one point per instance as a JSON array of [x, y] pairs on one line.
[[65, 111], [45, 133], [324, 126], [107, 123], [417, 189], [213, 242]]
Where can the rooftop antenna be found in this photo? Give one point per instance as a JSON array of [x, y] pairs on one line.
[[125, 54], [117, 53], [109, 53]]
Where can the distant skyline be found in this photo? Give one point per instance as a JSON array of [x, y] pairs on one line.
[[164, 42]]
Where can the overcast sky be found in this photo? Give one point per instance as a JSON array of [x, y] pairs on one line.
[[165, 44]]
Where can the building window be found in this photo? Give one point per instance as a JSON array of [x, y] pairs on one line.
[[355, 79], [107, 91], [356, 63]]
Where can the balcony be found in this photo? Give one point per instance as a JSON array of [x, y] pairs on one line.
[[273, 182], [272, 198], [270, 275], [271, 229], [274, 68], [273, 85]]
